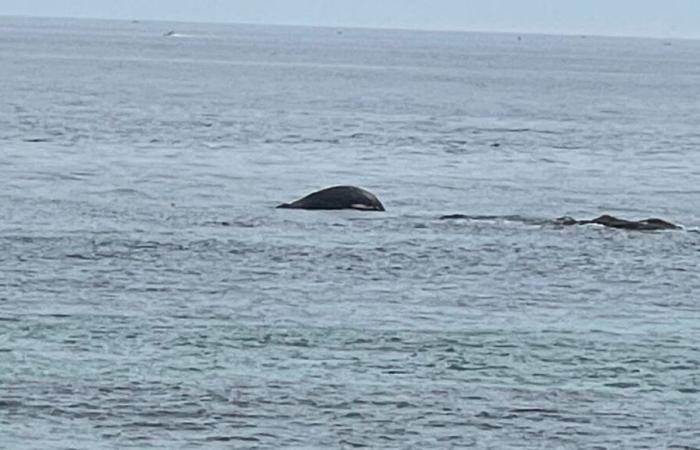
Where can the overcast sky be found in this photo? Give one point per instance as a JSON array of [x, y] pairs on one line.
[[662, 18]]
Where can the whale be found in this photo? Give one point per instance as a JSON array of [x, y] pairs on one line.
[[606, 220], [652, 224], [338, 197]]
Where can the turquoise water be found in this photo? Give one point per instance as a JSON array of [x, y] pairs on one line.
[[130, 317]]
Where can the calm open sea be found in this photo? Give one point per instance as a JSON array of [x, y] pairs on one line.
[[130, 317]]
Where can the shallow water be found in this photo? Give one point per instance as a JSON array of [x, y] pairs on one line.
[[130, 317]]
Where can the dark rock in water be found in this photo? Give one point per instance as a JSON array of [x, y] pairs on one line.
[[614, 222], [338, 197]]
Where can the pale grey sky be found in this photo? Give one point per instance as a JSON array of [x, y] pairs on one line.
[[662, 18]]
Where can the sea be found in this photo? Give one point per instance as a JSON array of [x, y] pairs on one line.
[[153, 297]]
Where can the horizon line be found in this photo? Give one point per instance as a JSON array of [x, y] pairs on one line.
[[360, 27]]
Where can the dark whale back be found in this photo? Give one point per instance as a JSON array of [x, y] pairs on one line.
[[615, 222], [338, 197], [647, 224]]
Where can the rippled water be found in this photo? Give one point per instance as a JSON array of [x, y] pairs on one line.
[[131, 317]]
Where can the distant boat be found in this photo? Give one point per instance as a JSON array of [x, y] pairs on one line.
[[169, 33]]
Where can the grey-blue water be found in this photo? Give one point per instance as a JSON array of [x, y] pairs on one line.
[[130, 317]]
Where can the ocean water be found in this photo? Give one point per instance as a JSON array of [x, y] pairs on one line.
[[132, 317]]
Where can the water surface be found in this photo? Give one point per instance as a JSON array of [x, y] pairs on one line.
[[130, 317]]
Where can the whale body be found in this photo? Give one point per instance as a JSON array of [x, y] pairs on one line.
[[652, 224], [615, 222], [338, 197]]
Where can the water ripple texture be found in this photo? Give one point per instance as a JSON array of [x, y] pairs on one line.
[[151, 296]]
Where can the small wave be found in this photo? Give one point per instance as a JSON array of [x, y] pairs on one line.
[[534, 411], [174, 34], [123, 192], [235, 223], [47, 175], [567, 147], [361, 135], [80, 256], [9, 319], [514, 130], [490, 218], [232, 438], [296, 139]]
